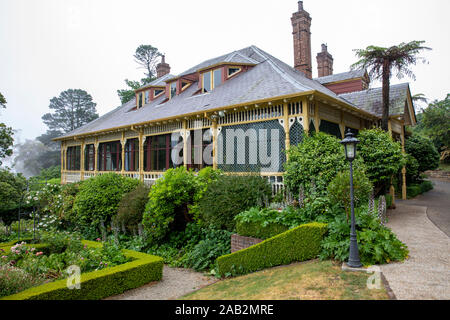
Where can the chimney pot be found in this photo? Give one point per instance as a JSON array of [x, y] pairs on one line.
[[324, 47], [301, 25], [162, 68], [300, 6]]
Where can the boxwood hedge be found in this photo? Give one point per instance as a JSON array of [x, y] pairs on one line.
[[298, 244], [99, 284]]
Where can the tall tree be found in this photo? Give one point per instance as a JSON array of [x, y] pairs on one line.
[[72, 109], [126, 95], [6, 135], [146, 56], [382, 62]]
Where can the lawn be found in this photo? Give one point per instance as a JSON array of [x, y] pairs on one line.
[[311, 280], [444, 166]]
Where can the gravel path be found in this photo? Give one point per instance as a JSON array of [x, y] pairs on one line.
[[175, 283], [426, 274]]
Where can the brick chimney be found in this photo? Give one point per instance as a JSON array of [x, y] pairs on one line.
[[324, 62], [162, 68], [301, 25]]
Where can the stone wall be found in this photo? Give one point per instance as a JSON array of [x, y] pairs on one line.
[[240, 242]]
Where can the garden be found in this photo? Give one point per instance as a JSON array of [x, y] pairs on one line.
[[112, 226]]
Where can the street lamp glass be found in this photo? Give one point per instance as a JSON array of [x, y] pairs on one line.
[[350, 151]]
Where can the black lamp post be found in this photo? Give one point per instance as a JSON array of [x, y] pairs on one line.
[[350, 143]]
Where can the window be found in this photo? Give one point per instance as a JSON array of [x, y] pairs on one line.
[[173, 89], [132, 155], [233, 70], [147, 96], [211, 79], [217, 75], [157, 92], [73, 158], [207, 82], [89, 158], [185, 85], [110, 156], [196, 149], [157, 153], [139, 96]]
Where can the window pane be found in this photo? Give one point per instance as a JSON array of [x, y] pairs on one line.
[[173, 89], [147, 96], [207, 82], [217, 77]]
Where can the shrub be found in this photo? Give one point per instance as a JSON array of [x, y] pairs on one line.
[[230, 195], [413, 190], [12, 188], [99, 197], [339, 189], [102, 283], [298, 244], [316, 160], [13, 280], [131, 207], [423, 150], [377, 244], [412, 170], [167, 206], [382, 156]]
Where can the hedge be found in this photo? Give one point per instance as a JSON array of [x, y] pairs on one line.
[[255, 230], [298, 244], [99, 284], [414, 190]]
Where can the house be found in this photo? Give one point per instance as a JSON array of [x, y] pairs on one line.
[[238, 112]]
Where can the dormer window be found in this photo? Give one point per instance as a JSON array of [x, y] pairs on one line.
[[173, 89], [157, 92], [140, 102], [185, 85], [233, 70], [211, 79]]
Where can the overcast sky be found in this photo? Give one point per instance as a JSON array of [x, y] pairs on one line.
[[48, 46]]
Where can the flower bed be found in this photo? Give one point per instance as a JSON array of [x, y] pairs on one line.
[[137, 269]]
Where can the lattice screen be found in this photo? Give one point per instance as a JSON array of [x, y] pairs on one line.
[[330, 128], [296, 133], [252, 150]]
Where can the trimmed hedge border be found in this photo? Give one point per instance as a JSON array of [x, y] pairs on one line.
[[99, 284], [298, 244], [413, 190]]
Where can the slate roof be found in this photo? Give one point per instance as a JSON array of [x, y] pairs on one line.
[[354, 74], [161, 81], [269, 78], [371, 100]]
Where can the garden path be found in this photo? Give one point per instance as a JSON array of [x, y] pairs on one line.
[[175, 283], [425, 274]]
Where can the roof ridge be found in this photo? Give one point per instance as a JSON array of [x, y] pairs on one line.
[[279, 70]]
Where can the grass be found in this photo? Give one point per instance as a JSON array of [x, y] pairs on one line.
[[444, 166], [311, 280]]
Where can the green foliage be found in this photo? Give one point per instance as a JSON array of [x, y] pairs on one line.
[[6, 141], [204, 178], [423, 150], [169, 198], [47, 175], [434, 123], [412, 169], [72, 109], [414, 189], [131, 207], [12, 187], [98, 198], [376, 243], [228, 196], [13, 280], [146, 56], [382, 156], [196, 247], [315, 161], [298, 244], [101, 283], [339, 189]]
